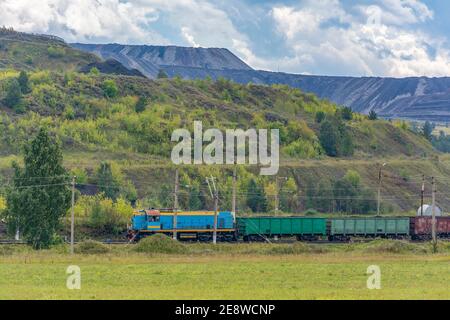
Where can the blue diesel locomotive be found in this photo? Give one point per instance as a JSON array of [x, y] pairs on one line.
[[191, 226]]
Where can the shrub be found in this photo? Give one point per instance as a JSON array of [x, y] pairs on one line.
[[94, 71], [2, 204], [91, 247], [320, 116], [162, 74], [346, 113], [56, 52], [13, 94], [106, 216], [24, 82], [160, 243], [373, 115], [311, 212], [302, 149], [110, 89], [141, 104]]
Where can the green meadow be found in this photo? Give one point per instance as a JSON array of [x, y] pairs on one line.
[[243, 271]]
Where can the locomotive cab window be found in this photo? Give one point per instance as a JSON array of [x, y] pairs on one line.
[[153, 218]]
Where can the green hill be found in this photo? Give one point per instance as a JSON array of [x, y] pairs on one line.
[[37, 52], [129, 120]]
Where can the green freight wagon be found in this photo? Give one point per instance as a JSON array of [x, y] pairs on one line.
[[260, 228], [389, 227]]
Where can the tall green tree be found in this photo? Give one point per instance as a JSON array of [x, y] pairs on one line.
[[329, 138], [141, 104], [162, 74], [40, 195], [320, 116], [195, 199], [427, 130], [24, 82], [256, 197], [13, 94], [347, 113], [107, 183], [373, 115]]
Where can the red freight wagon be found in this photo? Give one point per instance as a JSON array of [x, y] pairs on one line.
[[421, 227]]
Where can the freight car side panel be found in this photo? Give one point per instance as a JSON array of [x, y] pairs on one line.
[[281, 226], [423, 225], [369, 226]]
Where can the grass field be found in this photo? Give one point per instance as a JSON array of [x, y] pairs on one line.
[[224, 273]]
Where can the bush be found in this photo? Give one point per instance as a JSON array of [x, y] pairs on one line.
[[108, 217], [110, 89], [320, 116], [56, 52], [162, 74], [160, 243], [311, 212], [141, 104], [91, 247], [13, 94]]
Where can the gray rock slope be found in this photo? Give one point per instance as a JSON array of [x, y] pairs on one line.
[[417, 98], [150, 59]]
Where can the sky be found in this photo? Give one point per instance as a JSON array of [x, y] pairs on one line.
[[395, 38]]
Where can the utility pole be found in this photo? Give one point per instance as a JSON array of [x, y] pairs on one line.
[[421, 195], [175, 205], [379, 189], [277, 192], [216, 205], [233, 203], [72, 220], [433, 215], [276, 195], [215, 196]]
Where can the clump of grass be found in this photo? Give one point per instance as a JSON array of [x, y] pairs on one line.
[[442, 246], [160, 243], [299, 248], [393, 246], [91, 247], [6, 250]]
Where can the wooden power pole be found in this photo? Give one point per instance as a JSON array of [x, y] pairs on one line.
[[433, 214], [277, 193], [175, 205], [72, 218], [422, 194], [380, 175], [233, 203], [215, 195], [277, 199], [216, 208]]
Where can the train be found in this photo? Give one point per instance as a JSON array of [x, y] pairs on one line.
[[199, 226]]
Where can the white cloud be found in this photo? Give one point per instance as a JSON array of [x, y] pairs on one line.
[[322, 36], [188, 36], [200, 23], [82, 20]]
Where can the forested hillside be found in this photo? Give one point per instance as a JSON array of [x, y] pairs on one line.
[[122, 125]]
